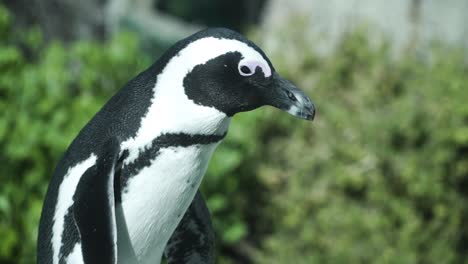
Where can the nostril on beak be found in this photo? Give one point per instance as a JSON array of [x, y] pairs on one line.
[[291, 96]]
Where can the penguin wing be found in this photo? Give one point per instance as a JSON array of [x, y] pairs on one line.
[[94, 208], [193, 239]]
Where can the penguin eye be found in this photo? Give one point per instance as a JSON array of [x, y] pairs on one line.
[[245, 70], [248, 68]]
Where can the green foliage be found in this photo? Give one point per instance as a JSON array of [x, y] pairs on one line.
[[381, 176], [47, 93]]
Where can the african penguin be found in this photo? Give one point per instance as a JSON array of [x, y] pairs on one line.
[[126, 190]]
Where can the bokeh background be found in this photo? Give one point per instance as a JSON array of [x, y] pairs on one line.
[[381, 176]]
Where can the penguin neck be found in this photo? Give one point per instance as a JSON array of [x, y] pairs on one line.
[[195, 120], [176, 112], [172, 112], [167, 116]]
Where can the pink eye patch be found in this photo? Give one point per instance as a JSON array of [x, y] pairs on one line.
[[248, 67]]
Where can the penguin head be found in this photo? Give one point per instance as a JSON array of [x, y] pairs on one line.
[[226, 71]]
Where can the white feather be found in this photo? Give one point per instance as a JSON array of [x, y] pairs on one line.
[[76, 256], [159, 196]]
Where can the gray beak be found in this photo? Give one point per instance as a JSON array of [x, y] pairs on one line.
[[287, 97]]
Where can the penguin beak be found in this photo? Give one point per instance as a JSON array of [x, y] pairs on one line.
[[287, 97]]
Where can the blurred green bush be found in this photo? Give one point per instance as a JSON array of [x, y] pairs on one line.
[[381, 176]]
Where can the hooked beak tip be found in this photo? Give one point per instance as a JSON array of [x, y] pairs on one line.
[[292, 99], [311, 113], [306, 112]]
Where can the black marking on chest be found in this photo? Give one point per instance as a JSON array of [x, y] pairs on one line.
[[118, 177], [161, 142], [70, 236]]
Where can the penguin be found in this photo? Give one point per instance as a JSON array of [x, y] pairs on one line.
[[126, 189]]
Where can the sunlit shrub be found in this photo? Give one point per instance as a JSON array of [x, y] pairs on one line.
[[381, 176]]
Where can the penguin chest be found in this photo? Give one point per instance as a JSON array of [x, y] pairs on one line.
[[157, 196]]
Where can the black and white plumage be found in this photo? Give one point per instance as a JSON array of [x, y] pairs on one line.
[[125, 191]]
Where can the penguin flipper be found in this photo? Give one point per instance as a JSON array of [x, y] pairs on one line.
[[94, 208], [193, 239]]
